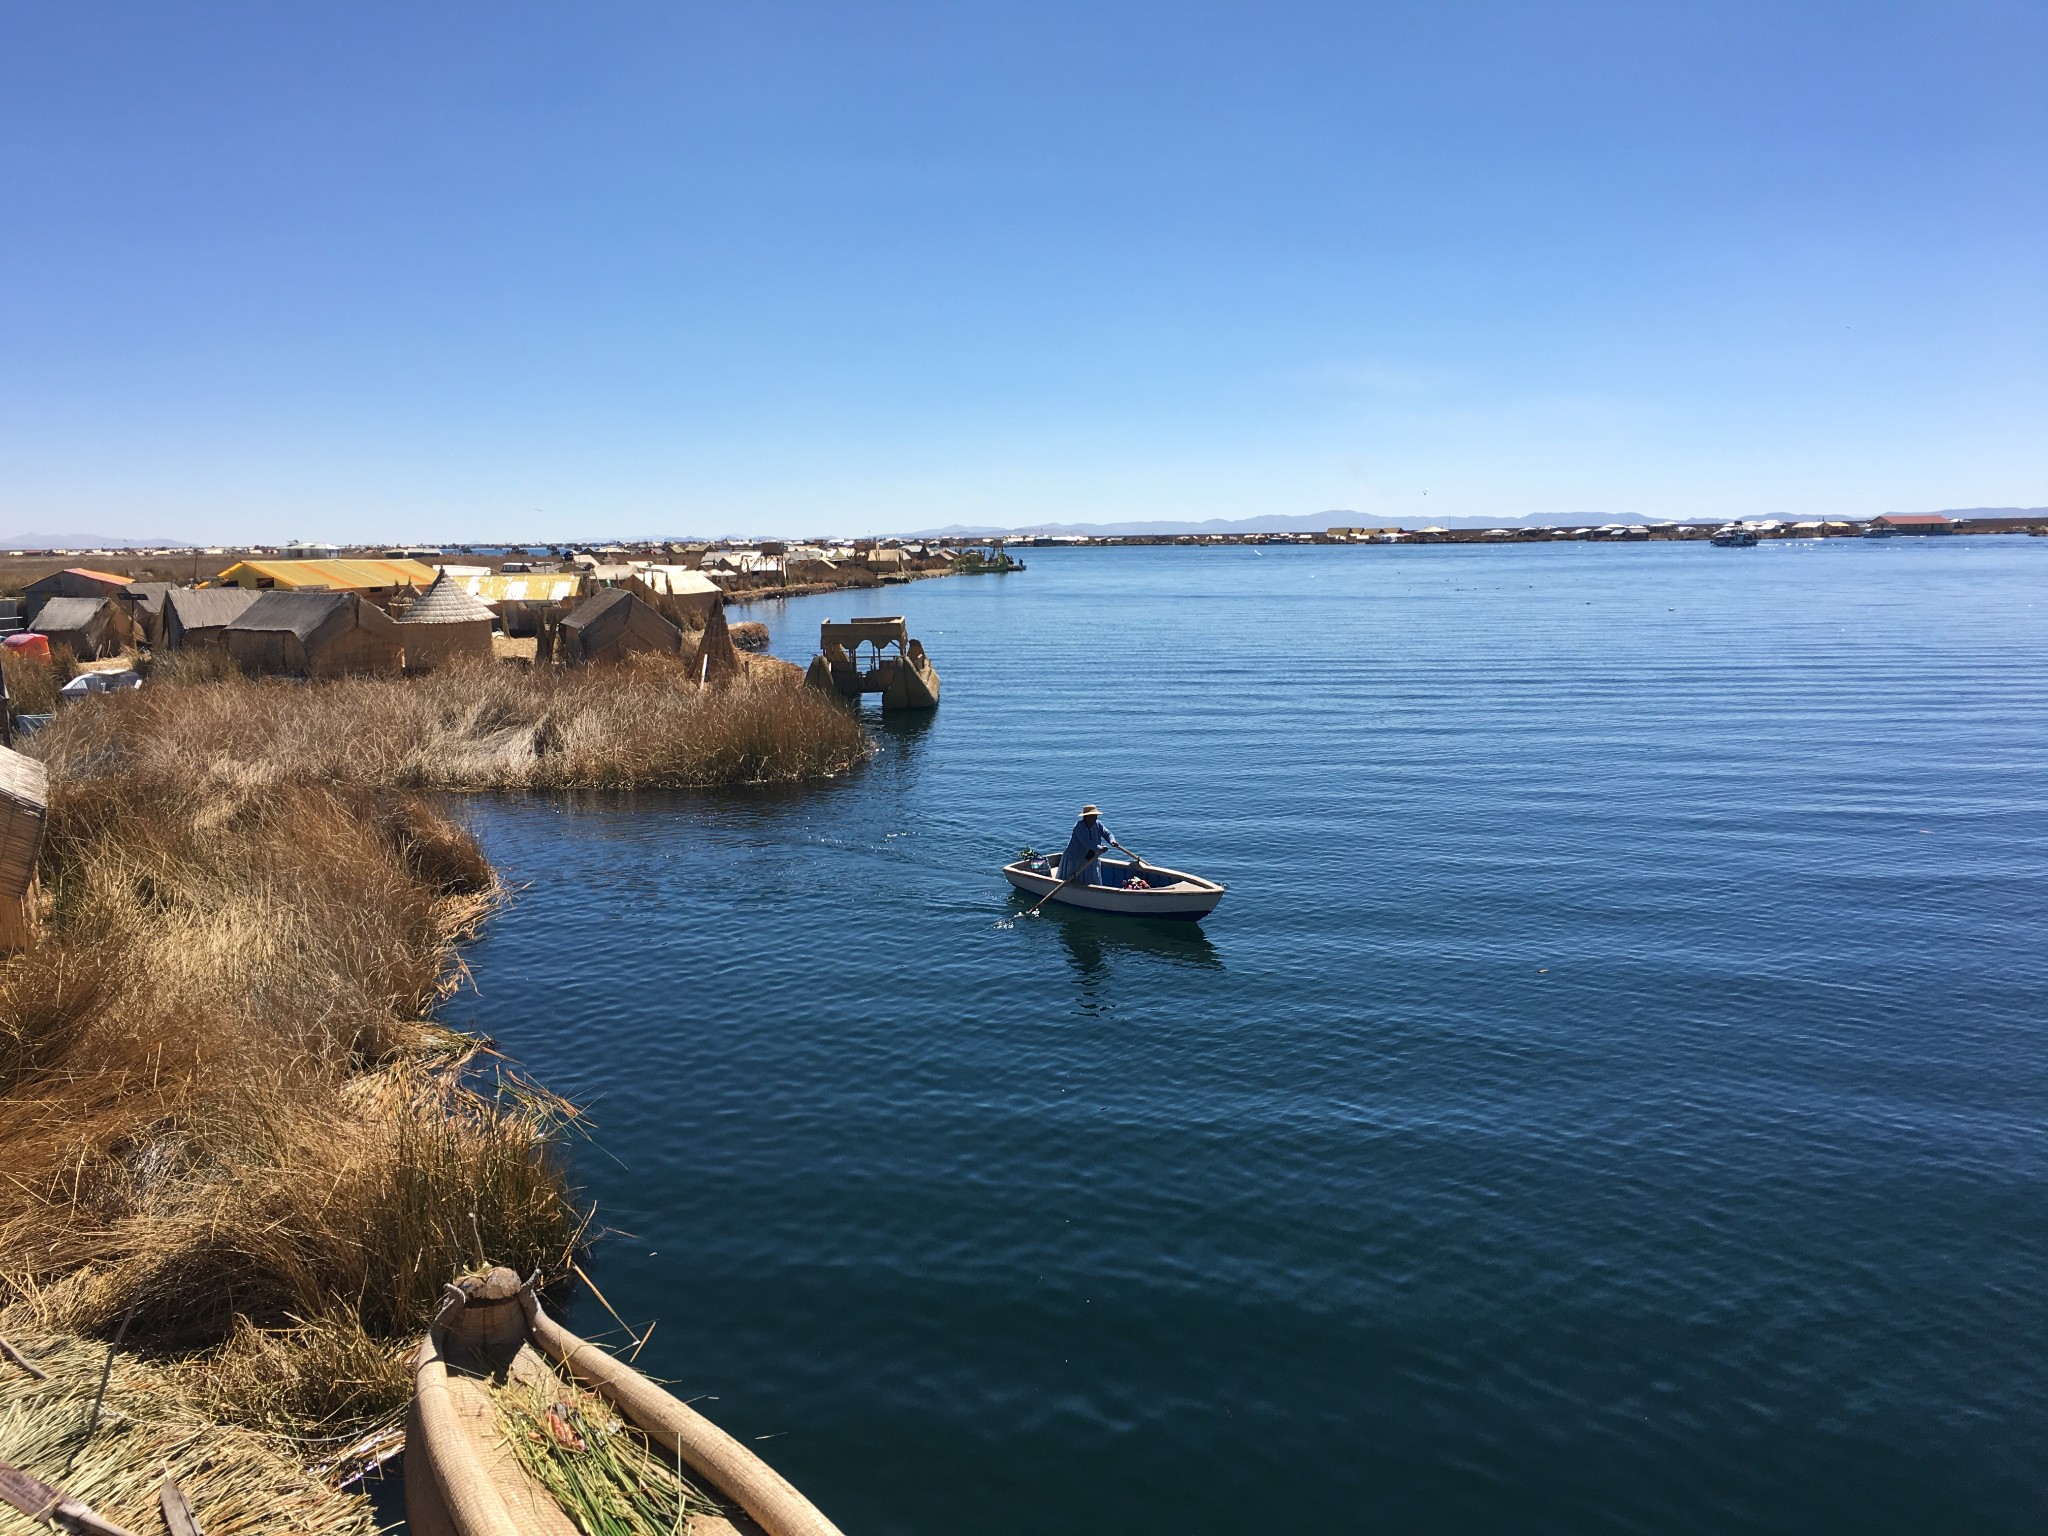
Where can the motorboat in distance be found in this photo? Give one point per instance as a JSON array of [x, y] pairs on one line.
[[1169, 893], [1734, 536]]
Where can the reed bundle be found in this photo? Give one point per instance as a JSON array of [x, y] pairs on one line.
[[606, 1475]]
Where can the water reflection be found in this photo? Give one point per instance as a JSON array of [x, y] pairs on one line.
[[1093, 940], [905, 727]]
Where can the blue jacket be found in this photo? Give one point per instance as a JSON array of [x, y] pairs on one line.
[[1089, 839]]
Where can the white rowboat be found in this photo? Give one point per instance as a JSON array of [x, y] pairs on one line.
[[1169, 893]]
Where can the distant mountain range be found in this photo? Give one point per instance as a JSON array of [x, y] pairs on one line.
[[1342, 519]]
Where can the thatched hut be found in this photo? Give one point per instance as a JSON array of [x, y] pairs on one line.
[[76, 581], [24, 801], [444, 624], [88, 627], [717, 662], [612, 625], [195, 616], [315, 634], [687, 596]]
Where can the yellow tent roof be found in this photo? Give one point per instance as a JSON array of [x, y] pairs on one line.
[[328, 575], [547, 587]]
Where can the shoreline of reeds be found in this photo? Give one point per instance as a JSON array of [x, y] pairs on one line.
[[236, 1135]]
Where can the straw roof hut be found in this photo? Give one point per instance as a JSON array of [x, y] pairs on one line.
[[612, 625], [88, 626], [444, 624], [686, 594], [717, 663], [196, 615], [75, 581], [315, 634], [24, 801]]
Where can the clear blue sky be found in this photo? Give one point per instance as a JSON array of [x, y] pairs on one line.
[[443, 271]]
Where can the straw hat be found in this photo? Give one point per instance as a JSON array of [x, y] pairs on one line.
[[1089, 810]]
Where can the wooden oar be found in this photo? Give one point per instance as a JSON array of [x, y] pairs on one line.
[[1077, 874]]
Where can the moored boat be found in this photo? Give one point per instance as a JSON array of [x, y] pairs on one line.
[[502, 1394], [1129, 889], [1734, 536], [898, 668]]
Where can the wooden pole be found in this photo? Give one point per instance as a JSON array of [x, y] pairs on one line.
[[40, 1502]]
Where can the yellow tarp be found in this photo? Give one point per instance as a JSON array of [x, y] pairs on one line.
[[327, 575], [548, 587]]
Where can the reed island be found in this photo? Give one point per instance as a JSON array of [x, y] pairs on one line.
[[244, 1160]]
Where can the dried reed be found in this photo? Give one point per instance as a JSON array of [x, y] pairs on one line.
[[479, 727], [604, 1474], [239, 1483], [33, 681], [228, 1116]]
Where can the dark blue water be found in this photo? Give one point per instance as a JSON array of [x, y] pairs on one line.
[[1610, 1098]]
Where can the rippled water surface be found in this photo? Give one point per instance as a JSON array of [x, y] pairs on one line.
[[1610, 1097]]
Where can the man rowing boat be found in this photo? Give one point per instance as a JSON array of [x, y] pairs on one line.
[[1084, 848]]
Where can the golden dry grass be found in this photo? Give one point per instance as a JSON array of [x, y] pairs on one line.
[[33, 681], [483, 727], [228, 1116]]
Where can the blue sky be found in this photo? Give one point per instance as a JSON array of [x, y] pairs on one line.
[[408, 272]]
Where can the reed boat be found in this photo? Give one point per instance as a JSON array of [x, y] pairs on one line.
[[896, 666], [503, 1395], [1169, 893]]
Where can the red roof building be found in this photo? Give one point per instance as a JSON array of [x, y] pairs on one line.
[[77, 581]]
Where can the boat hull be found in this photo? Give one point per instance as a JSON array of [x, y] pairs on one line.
[[1188, 899], [913, 685], [463, 1479]]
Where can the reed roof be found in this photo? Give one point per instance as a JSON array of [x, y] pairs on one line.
[[208, 607], [304, 614], [446, 603], [68, 613], [597, 605]]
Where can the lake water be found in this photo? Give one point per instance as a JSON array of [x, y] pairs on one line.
[[1610, 1098]]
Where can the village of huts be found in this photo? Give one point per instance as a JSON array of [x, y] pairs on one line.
[[317, 618]]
